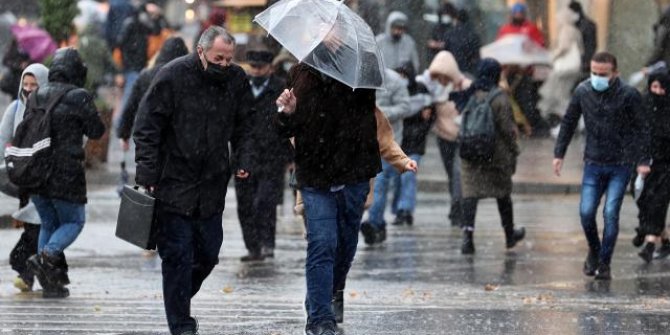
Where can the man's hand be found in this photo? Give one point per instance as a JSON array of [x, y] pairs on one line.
[[125, 144], [242, 174], [412, 166], [287, 102], [643, 170], [558, 164]]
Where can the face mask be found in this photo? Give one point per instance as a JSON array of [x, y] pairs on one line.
[[25, 94], [518, 21], [599, 83], [258, 81], [395, 37]]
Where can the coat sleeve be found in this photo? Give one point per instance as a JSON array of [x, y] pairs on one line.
[[641, 128], [129, 113], [399, 107], [568, 125], [93, 126], [153, 116], [388, 148], [7, 127], [242, 141]]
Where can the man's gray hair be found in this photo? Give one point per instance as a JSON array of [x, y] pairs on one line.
[[208, 36]]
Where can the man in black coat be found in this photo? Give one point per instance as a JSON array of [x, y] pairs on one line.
[[259, 195], [61, 201], [195, 107], [589, 32]]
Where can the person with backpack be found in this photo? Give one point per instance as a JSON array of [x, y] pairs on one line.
[[488, 152], [58, 116], [34, 76]]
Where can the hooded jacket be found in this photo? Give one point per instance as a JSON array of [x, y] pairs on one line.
[[445, 64], [173, 48], [658, 112], [393, 101], [74, 117], [617, 132], [182, 133], [396, 53], [14, 112]]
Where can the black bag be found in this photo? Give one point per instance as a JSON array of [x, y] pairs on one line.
[[136, 222], [29, 158], [477, 134]]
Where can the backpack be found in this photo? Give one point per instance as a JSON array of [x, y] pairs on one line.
[[477, 134], [29, 158]]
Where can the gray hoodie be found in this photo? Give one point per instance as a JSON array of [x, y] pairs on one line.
[[397, 53], [14, 112], [394, 102]]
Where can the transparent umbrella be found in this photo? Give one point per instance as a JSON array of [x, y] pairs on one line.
[[328, 36]]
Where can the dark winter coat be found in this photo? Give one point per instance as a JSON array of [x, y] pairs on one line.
[[173, 48], [335, 130], [182, 131], [272, 151], [661, 51], [415, 128], [658, 111], [74, 117], [134, 41], [494, 179], [617, 131], [464, 43], [589, 32]]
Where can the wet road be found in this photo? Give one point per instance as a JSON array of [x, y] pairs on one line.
[[416, 283]]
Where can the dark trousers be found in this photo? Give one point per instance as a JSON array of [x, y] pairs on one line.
[[25, 247], [257, 200], [450, 159], [654, 200], [189, 248], [527, 96], [505, 209]]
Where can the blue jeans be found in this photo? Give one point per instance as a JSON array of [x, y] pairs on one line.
[[382, 183], [129, 78], [404, 198], [189, 248], [610, 180], [62, 221], [333, 220]]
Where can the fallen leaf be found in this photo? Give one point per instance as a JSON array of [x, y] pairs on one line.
[[491, 287], [227, 289]]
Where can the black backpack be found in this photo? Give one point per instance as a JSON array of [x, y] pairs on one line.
[[29, 158], [477, 135]]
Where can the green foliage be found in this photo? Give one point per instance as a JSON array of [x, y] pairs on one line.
[[57, 17]]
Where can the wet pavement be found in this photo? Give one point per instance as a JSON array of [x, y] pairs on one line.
[[415, 283]]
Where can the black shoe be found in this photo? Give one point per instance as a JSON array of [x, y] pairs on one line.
[[368, 232], [380, 234], [322, 328], [55, 292], [647, 253], [400, 218], [35, 266], [664, 250], [338, 306], [591, 263], [516, 236], [56, 268], [409, 219], [252, 257], [603, 272], [268, 252], [638, 240], [468, 246]]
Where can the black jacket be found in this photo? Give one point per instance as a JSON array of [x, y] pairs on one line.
[[74, 117], [617, 131], [182, 131], [134, 41], [464, 43], [415, 129], [272, 151], [173, 48], [335, 130], [589, 32], [658, 110]]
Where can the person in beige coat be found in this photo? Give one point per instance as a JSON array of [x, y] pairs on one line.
[[491, 179], [444, 70]]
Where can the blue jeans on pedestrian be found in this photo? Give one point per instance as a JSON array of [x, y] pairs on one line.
[[129, 78], [382, 182], [62, 221], [599, 180], [404, 198], [333, 219], [189, 248]]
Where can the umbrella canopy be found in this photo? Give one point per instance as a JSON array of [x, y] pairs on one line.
[[328, 36], [37, 43], [516, 49]]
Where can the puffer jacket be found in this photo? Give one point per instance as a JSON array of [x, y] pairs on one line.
[[74, 117]]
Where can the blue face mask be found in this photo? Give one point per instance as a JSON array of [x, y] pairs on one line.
[[600, 83]]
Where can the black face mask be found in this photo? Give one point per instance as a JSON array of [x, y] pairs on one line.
[[25, 94], [217, 73], [258, 81], [518, 21], [395, 37]]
